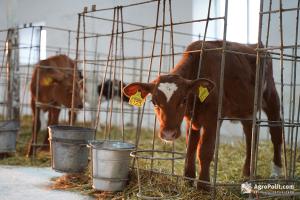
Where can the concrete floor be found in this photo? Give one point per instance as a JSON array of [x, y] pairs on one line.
[[31, 183]]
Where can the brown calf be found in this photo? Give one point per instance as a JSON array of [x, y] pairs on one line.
[[55, 87], [173, 95]]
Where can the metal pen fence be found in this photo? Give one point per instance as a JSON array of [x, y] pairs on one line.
[[125, 50], [156, 56]]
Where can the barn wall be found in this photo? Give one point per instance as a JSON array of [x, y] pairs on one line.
[[289, 35], [64, 14], [59, 13]]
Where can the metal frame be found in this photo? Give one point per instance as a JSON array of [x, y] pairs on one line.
[[112, 64], [257, 119]]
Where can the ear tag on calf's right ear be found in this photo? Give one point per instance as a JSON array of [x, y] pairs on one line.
[[136, 99], [203, 93], [47, 81]]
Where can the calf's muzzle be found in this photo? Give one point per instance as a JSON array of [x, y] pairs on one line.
[[169, 134]]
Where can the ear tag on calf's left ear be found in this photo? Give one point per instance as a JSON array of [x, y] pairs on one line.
[[136, 99], [203, 93], [47, 81]]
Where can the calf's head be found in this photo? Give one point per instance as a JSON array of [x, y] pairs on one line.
[[170, 98], [63, 89]]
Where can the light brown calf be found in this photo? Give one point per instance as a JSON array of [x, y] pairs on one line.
[[173, 94], [55, 88]]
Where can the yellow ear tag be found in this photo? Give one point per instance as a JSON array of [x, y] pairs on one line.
[[47, 81], [136, 99], [203, 93]]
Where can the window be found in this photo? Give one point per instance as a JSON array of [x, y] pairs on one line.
[[242, 20], [32, 44], [43, 51]]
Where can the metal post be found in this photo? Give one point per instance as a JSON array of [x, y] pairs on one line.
[[37, 109], [122, 73], [16, 76], [75, 68], [256, 104], [69, 43], [293, 95], [84, 67], [140, 80], [281, 89], [12, 69], [220, 101], [9, 74], [94, 82]]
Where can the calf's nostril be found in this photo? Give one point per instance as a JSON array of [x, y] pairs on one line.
[[168, 135]]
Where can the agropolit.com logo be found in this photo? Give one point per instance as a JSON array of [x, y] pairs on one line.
[[247, 188]]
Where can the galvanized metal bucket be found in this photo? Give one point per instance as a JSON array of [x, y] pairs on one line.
[[8, 135], [110, 164], [68, 147]]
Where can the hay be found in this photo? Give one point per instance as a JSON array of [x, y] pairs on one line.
[[70, 181], [42, 159], [155, 186], [231, 159], [230, 168]]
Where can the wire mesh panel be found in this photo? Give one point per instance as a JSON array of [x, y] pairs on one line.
[[22, 49], [133, 50], [254, 84], [282, 46]]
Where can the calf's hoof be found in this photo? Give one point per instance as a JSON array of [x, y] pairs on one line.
[[189, 183], [189, 174], [45, 148], [204, 186], [275, 171], [4, 155], [246, 172], [29, 151]]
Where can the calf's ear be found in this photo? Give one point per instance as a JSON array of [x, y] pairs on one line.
[[57, 75], [133, 88], [201, 87]]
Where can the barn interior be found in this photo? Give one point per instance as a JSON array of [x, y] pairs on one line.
[[135, 41]]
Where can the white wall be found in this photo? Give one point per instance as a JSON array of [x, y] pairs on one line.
[[63, 13], [237, 32]]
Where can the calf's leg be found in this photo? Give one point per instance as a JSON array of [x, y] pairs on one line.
[[272, 110], [36, 126], [53, 120], [247, 127], [192, 140], [53, 116], [74, 117], [205, 154]]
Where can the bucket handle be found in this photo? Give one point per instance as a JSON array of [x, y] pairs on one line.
[[110, 179], [69, 141]]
